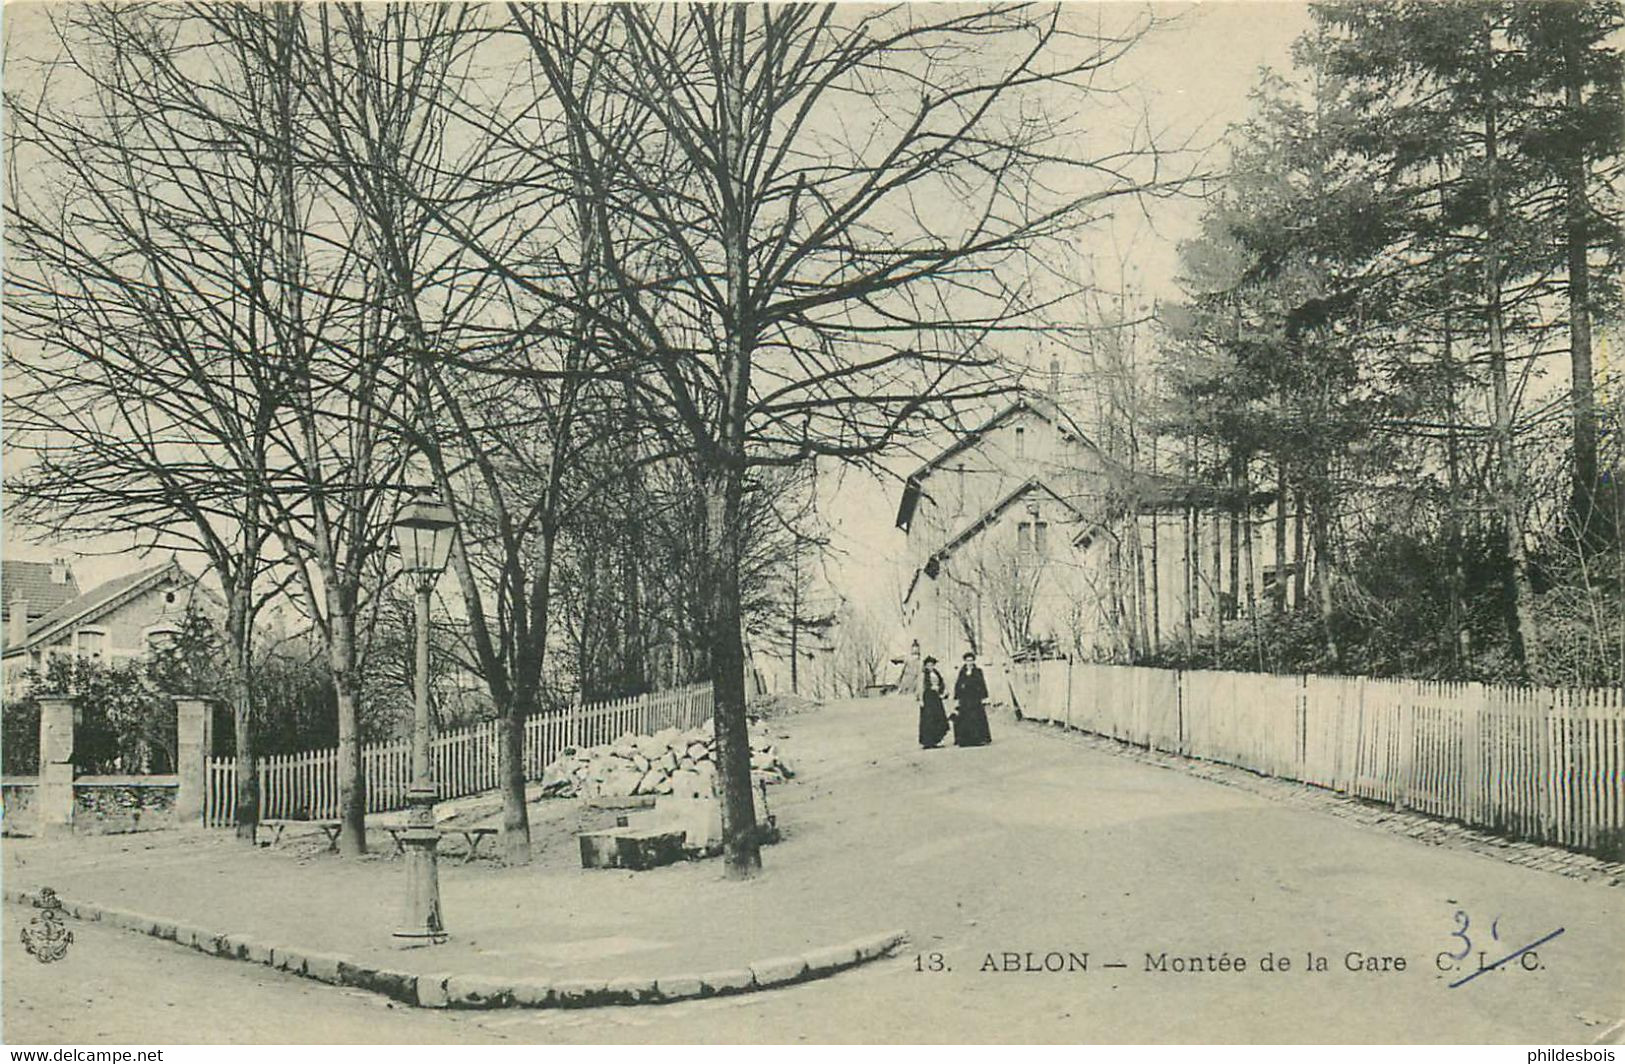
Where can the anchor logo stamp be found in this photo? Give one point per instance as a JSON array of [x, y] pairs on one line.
[[45, 936]]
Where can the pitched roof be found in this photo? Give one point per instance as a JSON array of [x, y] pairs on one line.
[[1039, 404], [33, 581], [101, 599], [1155, 491], [1031, 484]]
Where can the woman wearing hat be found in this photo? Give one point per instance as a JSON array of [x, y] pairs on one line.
[[933, 720], [970, 692]]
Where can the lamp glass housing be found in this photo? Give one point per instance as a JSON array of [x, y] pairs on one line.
[[424, 533]]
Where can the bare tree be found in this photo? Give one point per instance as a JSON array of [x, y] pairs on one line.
[[339, 329], [863, 644], [147, 382], [783, 232], [766, 253]]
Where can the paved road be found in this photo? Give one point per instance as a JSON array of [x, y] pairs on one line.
[[1055, 855]]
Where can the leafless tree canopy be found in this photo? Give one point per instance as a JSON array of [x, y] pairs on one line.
[[272, 263]]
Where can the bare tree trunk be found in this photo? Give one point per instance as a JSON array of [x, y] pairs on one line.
[[1279, 591], [351, 780], [1321, 542], [527, 689], [511, 765], [1452, 514], [795, 614], [1299, 562], [1235, 535], [1120, 610], [1216, 579], [740, 843], [1589, 519], [1521, 623], [1248, 567], [1156, 587], [1192, 576], [246, 780], [1141, 614], [1156, 569]]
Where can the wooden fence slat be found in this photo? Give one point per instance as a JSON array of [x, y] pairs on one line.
[[1537, 763], [464, 761]]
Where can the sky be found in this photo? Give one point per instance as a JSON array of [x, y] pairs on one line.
[[1193, 75]]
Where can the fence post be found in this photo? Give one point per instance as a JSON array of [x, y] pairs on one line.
[[1405, 776], [56, 722], [1180, 698], [1471, 700], [194, 742], [1069, 692], [1302, 695]]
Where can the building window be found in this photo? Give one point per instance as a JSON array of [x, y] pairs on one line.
[[1032, 539], [1021, 442], [161, 638], [92, 644]]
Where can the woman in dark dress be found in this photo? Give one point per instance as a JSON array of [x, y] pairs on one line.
[[933, 719], [970, 694]]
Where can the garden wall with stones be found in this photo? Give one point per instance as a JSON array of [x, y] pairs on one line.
[[19, 810], [113, 805], [102, 805]]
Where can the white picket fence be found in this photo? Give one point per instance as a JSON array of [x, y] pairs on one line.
[[304, 786], [1544, 764]]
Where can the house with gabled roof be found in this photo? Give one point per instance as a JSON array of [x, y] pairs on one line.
[[124, 618], [34, 589], [1023, 535], [1000, 525]]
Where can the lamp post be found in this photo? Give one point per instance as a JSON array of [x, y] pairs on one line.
[[423, 532]]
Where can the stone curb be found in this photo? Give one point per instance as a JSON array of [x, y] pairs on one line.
[[443, 990]]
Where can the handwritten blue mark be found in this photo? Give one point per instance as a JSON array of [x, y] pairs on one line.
[[1514, 955], [1461, 933]]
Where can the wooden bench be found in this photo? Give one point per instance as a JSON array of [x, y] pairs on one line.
[[472, 837], [330, 828]]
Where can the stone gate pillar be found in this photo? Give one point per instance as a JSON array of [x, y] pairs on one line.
[[56, 721], [194, 742]]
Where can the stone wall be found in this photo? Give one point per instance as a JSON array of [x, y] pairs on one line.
[[60, 802], [113, 805], [102, 805], [19, 809]]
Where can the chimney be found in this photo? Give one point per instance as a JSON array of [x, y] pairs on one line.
[[1054, 377], [17, 623], [59, 571]]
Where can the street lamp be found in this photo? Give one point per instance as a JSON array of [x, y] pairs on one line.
[[423, 532]]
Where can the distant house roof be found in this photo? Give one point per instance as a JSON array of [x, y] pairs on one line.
[[1039, 404], [45, 586], [1155, 491], [100, 600]]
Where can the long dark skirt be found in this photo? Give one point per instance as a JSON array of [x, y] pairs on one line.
[[970, 725], [933, 721]]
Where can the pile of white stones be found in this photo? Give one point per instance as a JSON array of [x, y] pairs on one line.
[[680, 763]]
